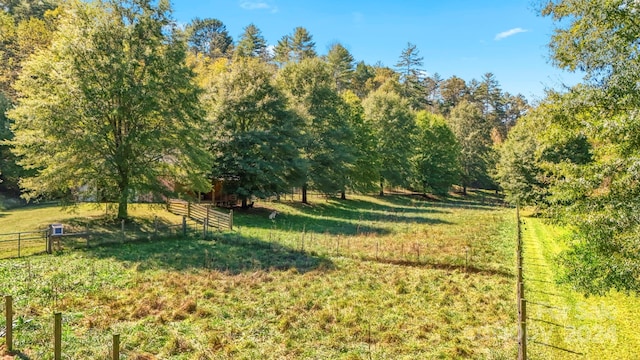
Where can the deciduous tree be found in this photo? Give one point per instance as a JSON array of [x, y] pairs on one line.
[[327, 135], [393, 123], [437, 153], [254, 136], [117, 110]]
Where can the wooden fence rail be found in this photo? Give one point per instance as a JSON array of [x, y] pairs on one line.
[[203, 213]]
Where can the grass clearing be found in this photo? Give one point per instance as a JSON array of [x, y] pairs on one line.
[[600, 327], [366, 278]]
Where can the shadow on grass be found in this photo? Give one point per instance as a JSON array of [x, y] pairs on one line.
[[229, 252], [472, 269], [339, 217]]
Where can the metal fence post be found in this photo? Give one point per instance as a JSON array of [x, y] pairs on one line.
[[18, 244], [230, 219], [184, 225], [9, 316]]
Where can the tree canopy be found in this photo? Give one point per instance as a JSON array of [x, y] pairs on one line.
[[116, 114]]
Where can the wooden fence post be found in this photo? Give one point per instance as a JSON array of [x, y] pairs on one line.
[[18, 244], [523, 331], [49, 243], [184, 225], [9, 316], [205, 228], [189, 209], [57, 336], [116, 347]]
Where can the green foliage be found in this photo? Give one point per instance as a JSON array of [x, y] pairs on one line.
[[295, 47], [518, 170], [341, 64], [473, 134], [252, 44], [361, 76], [209, 37], [411, 76], [254, 136], [117, 110], [25, 9], [599, 327], [597, 192], [453, 91], [364, 170], [326, 144], [393, 124], [437, 152]]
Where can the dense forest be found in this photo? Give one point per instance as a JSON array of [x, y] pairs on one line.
[[114, 95]]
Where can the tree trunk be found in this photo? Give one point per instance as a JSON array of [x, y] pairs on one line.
[[123, 203], [244, 202], [304, 194], [343, 195], [381, 187]]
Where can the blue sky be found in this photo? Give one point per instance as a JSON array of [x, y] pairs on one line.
[[466, 38]]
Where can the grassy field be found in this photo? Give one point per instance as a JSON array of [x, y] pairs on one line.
[[33, 220], [366, 278], [597, 327]]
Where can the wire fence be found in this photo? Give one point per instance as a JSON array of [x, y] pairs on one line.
[[27, 243]]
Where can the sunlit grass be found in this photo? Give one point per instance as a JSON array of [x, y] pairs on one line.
[[598, 327], [309, 284]]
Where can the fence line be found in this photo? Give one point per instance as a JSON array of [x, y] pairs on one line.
[[520, 298], [202, 213], [20, 244], [57, 333], [522, 302]]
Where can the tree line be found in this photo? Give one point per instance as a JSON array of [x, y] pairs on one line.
[[113, 96], [575, 156]]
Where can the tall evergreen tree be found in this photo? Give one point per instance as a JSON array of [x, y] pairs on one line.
[[411, 76], [252, 44], [341, 64], [295, 47], [209, 37]]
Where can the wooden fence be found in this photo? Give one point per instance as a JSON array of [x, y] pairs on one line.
[[202, 213]]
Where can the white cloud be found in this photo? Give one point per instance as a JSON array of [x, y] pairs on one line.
[[258, 5], [506, 34]]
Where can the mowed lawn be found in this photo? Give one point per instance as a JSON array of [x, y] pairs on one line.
[[564, 324], [390, 277]]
